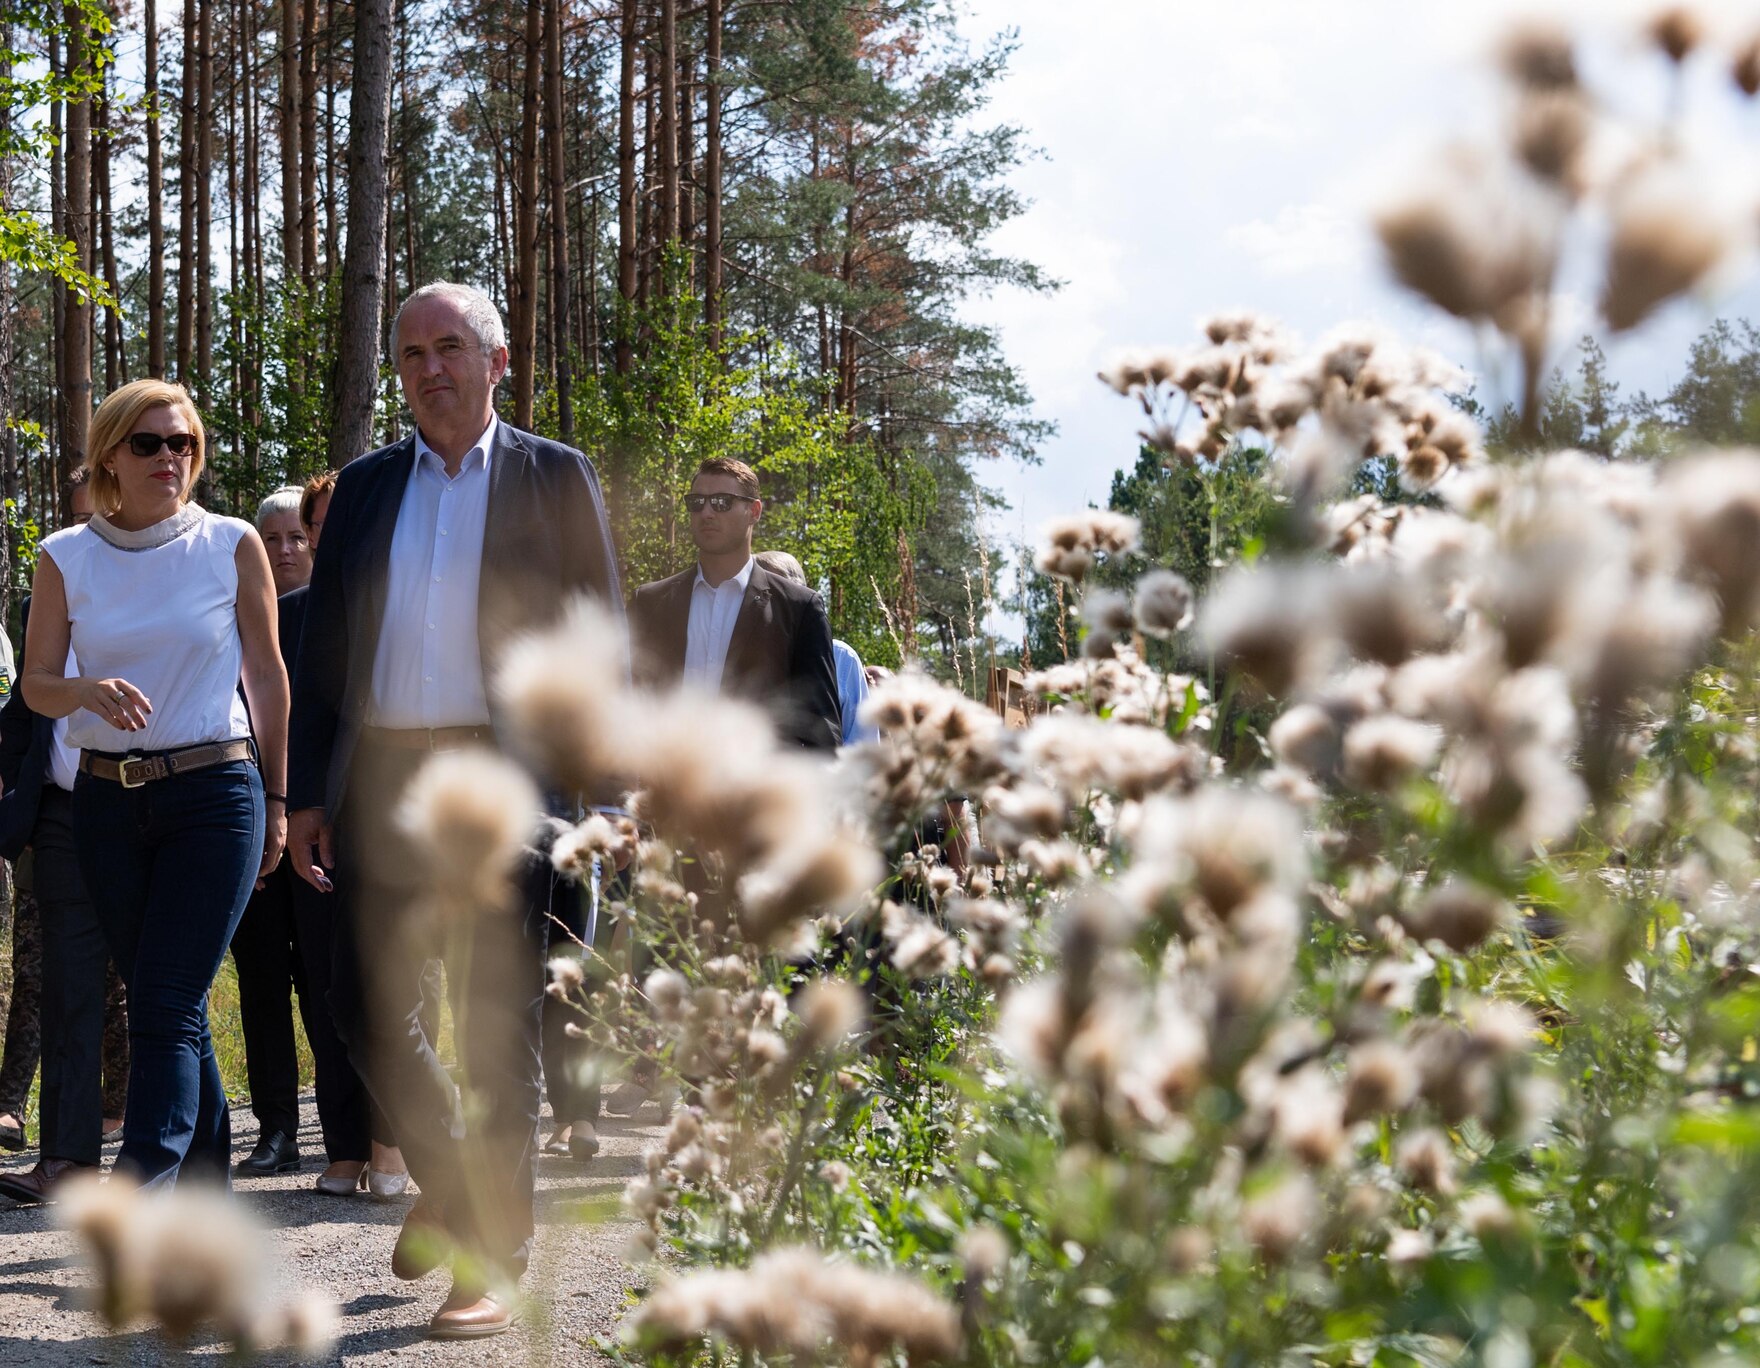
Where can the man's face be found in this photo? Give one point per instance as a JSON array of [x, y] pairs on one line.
[[315, 528], [290, 554], [446, 375], [721, 533]]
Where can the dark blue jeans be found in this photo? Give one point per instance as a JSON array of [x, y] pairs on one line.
[[169, 866]]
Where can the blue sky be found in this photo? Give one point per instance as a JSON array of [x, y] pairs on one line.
[[1198, 157]]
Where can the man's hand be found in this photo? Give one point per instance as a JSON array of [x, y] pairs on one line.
[[309, 833]]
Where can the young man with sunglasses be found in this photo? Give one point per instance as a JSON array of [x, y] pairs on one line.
[[727, 624]]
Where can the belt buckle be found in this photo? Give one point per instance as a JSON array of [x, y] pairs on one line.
[[122, 771]]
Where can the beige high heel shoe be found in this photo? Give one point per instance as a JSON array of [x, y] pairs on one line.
[[386, 1187], [339, 1186]]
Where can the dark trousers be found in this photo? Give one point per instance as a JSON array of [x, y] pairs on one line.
[[571, 1078], [76, 965], [271, 972], [480, 1173], [24, 1042], [169, 866]]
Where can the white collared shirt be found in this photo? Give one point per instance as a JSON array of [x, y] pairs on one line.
[[714, 610], [428, 669]]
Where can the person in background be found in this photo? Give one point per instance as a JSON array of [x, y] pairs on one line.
[[852, 679], [729, 625], [285, 941], [314, 505], [84, 1030], [177, 811]]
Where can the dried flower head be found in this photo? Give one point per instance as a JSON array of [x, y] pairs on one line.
[[1380, 1080], [562, 689], [1676, 30], [469, 815], [831, 1010], [1163, 604], [1280, 1219], [1383, 752], [1426, 1160], [792, 1301], [1538, 54], [1459, 914], [1471, 235], [1671, 229]]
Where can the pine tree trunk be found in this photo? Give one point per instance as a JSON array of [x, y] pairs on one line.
[[668, 131], [204, 149], [76, 372], [115, 357], [712, 177], [292, 238], [155, 201], [357, 357], [308, 143], [525, 283], [561, 334], [187, 196], [626, 181]]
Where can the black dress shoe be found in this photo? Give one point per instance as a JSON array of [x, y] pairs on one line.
[[275, 1153], [38, 1184]]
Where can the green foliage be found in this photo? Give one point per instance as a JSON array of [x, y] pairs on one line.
[[827, 498], [25, 86]]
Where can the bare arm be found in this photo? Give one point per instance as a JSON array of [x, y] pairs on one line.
[[265, 685], [44, 681]]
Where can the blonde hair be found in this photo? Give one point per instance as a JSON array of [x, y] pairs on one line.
[[114, 423]]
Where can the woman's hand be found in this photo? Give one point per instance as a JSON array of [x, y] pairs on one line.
[[274, 837], [116, 701]]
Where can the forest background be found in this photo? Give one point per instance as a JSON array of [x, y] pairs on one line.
[[775, 220], [715, 227]]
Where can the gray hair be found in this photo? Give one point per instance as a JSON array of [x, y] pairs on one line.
[[283, 500], [480, 314], [781, 563]]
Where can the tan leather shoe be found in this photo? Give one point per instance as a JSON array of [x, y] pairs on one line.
[[37, 1185], [471, 1313], [422, 1244]]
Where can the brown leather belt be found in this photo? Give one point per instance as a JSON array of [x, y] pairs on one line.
[[428, 738], [134, 770]]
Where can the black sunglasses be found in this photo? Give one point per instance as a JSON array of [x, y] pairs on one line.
[[719, 502], [145, 444]]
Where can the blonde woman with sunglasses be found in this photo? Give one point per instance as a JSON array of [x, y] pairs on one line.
[[176, 812]]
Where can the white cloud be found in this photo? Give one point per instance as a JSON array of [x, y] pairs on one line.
[[1302, 237]]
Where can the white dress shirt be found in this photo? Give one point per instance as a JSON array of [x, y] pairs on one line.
[[428, 669], [714, 610]]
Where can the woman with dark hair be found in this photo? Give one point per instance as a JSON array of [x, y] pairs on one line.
[[165, 607]]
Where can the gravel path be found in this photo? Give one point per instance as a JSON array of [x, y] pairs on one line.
[[578, 1287]]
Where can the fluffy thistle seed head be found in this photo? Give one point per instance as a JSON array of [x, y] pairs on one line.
[[469, 815], [1538, 54], [1381, 1080], [1459, 914], [561, 689], [1676, 30], [831, 1010], [1381, 753], [1163, 604], [1671, 230]]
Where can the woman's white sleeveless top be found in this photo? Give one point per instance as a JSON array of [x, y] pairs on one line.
[[158, 608]]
